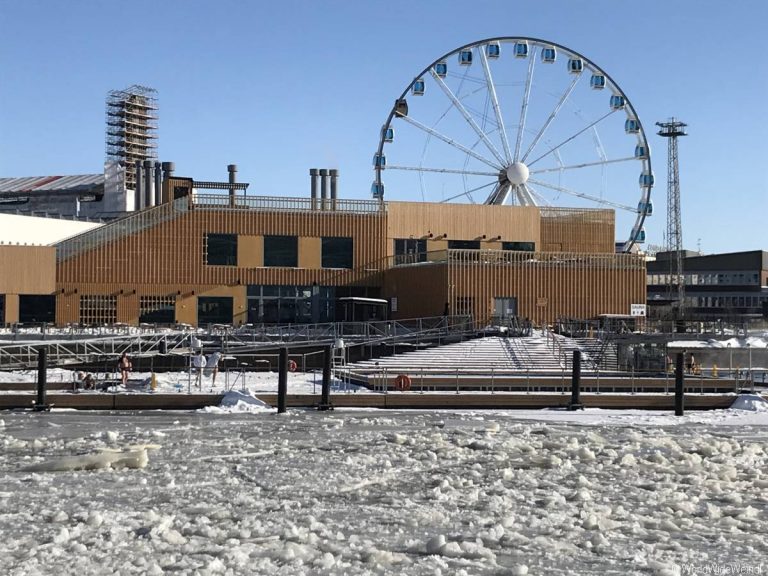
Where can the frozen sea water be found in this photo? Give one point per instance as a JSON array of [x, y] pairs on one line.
[[354, 492]]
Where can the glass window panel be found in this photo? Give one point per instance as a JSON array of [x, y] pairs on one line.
[[214, 310], [221, 249], [520, 246], [281, 251], [337, 253], [157, 309], [37, 308], [464, 244]]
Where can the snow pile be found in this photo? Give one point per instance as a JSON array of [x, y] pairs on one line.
[[751, 402], [235, 402]]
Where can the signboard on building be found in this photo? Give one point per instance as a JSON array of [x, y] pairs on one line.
[[637, 309]]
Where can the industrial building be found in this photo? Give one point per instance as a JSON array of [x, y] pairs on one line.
[[731, 287], [207, 252]]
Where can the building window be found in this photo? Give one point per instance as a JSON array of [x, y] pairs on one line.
[[281, 251], [221, 249], [465, 306], [519, 246], [37, 308], [98, 309], [337, 253], [290, 304], [2, 309], [214, 310], [157, 309], [463, 244], [410, 250]]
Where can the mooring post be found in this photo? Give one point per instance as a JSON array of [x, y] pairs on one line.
[[679, 381], [325, 397], [42, 374], [575, 403], [282, 380]]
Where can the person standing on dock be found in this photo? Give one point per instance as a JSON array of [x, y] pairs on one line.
[[198, 363], [124, 366], [212, 366]]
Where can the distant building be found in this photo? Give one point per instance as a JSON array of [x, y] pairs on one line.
[[731, 287]]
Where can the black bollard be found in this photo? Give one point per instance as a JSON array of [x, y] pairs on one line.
[[325, 398], [575, 403], [42, 374], [282, 380], [679, 384]]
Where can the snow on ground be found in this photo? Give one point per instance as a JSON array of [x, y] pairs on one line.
[[183, 382], [412, 493]]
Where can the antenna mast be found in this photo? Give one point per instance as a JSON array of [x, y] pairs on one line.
[[676, 282]]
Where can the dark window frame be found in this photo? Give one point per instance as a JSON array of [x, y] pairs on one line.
[[285, 256], [220, 249], [337, 252]]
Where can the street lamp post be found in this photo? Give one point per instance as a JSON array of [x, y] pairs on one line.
[[730, 360], [751, 379]]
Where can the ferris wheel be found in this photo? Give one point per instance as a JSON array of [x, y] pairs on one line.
[[519, 121]]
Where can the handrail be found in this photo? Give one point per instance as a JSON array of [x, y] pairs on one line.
[[285, 203]]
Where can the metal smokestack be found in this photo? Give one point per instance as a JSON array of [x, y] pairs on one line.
[[334, 187], [232, 169], [149, 185], [313, 187], [168, 170], [159, 184], [323, 187], [138, 197]]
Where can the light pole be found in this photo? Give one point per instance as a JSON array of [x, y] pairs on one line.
[[752, 380], [730, 361]]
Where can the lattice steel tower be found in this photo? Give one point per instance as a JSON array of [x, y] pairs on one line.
[[676, 284], [131, 128]]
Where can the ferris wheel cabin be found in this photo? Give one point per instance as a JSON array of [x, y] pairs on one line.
[[377, 190], [575, 65], [441, 68], [631, 126], [401, 107], [389, 133], [646, 179], [641, 151], [638, 235], [418, 87], [548, 55], [521, 49], [617, 102], [493, 50], [465, 57], [379, 160], [597, 81], [646, 207]]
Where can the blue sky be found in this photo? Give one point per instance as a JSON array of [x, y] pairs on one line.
[[279, 88]]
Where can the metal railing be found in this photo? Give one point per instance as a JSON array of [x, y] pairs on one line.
[[284, 204]]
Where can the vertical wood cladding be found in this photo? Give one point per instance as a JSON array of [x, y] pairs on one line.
[[172, 253], [547, 285], [577, 230], [421, 289], [27, 269], [461, 222]]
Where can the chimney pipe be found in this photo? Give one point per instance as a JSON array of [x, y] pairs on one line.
[[168, 169], [323, 187], [138, 196], [232, 169], [334, 186], [149, 185], [159, 184], [313, 187]]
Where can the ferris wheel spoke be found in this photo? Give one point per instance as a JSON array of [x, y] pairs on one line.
[[542, 201], [449, 141], [595, 199], [495, 102], [564, 142], [552, 116], [442, 170], [499, 194], [471, 121], [584, 165], [468, 193], [524, 196], [524, 109]]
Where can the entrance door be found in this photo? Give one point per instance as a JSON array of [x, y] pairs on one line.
[[505, 307]]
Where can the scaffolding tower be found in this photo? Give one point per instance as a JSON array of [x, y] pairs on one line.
[[131, 128], [676, 281]]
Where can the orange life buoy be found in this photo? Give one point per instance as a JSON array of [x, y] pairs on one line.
[[292, 365], [403, 382]]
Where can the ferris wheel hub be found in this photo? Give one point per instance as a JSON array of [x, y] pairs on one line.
[[517, 173]]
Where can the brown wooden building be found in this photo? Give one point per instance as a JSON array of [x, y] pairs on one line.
[[27, 282], [227, 258]]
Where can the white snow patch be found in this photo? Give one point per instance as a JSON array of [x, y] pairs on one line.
[[751, 402], [236, 402]]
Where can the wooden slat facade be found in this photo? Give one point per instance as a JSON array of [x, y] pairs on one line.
[[161, 252], [24, 270]]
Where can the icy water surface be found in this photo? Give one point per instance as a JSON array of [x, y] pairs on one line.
[[379, 493]]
